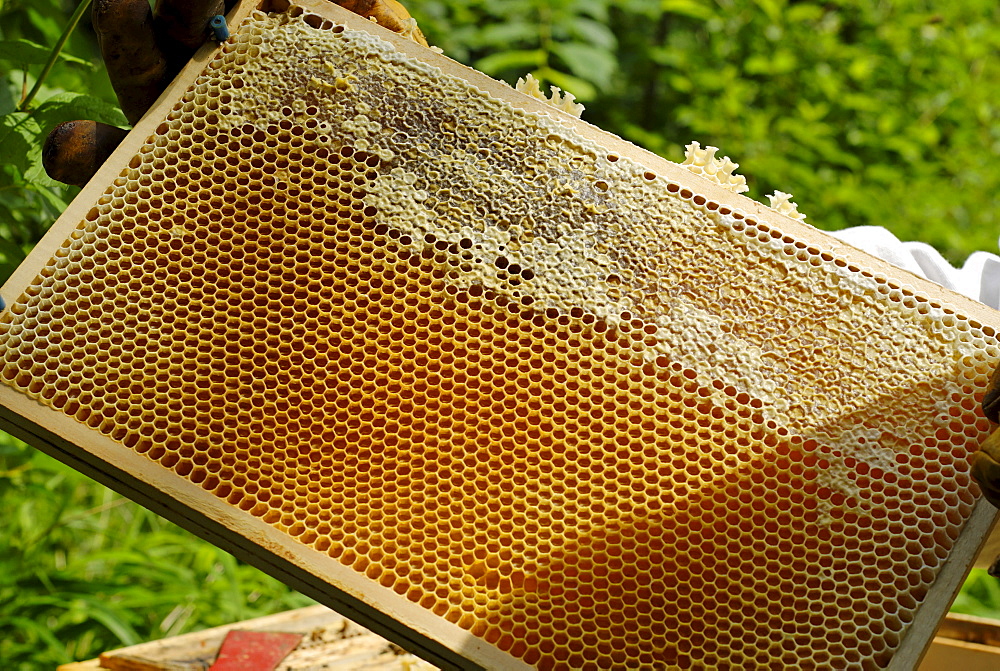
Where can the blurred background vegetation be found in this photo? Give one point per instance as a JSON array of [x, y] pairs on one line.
[[871, 112]]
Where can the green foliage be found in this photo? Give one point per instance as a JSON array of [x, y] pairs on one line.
[[566, 43], [83, 570], [29, 200], [870, 113], [980, 595], [26, 52]]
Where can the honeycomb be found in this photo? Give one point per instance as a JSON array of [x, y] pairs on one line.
[[576, 410]]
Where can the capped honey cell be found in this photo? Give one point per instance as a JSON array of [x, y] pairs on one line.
[[544, 401]]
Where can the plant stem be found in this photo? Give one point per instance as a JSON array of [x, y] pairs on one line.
[[54, 55]]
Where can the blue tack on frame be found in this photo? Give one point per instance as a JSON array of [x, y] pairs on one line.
[[220, 29]]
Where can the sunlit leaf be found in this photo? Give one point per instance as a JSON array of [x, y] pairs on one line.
[[861, 69], [511, 60], [804, 12], [593, 32], [596, 9], [772, 8], [586, 62], [70, 106], [57, 197], [758, 64], [783, 62], [508, 34], [694, 9], [583, 90]]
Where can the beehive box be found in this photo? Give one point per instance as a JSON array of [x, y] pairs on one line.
[[495, 383]]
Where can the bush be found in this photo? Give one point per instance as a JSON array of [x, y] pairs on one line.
[[870, 113]]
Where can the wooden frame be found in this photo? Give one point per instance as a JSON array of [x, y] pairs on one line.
[[260, 544], [963, 641]]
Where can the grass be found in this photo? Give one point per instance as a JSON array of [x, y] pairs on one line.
[[980, 595], [83, 570]]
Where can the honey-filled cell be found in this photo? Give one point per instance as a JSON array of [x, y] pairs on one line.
[[577, 410]]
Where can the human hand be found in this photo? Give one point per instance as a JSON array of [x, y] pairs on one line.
[[986, 462], [144, 49]]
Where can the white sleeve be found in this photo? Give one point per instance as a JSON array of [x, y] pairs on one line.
[[978, 279]]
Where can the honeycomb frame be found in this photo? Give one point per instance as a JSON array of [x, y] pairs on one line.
[[615, 386]]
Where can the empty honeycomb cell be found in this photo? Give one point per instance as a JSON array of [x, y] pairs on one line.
[[581, 412]]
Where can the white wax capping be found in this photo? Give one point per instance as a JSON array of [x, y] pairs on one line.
[[721, 171], [562, 100], [782, 202]]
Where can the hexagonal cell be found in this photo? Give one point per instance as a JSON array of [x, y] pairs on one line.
[[563, 403]]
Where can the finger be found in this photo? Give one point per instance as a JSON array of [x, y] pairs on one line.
[[362, 7], [389, 14], [986, 471], [393, 15], [138, 68], [991, 445], [182, 26], [74, 150], [991, 401]]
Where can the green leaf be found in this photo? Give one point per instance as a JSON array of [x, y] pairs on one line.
[[772, 8], [679, 82], [758, 64], [36, 176], [810, 111], [6, 220], [26, 52], [783, 62], [71, 106], [592, 31], [690, 8], [861, 69], [23, 52], [11, 251], [50, 194], [504, 35], [511, 60], [598, 9], [19, 134], [70, 58], [7, 102], [583, 90], [40, 631], [50, 26], [587, 62], [8, 97], [115, 623], [803, 13]]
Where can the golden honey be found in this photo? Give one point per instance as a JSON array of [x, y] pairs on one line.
[[576, 409]]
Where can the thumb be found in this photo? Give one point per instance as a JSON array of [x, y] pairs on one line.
[[74, 150]]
